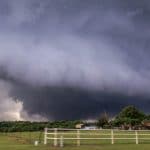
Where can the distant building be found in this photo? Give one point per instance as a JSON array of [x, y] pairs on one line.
[[88, 125], [79, 126], [146, 124], [91, 127]]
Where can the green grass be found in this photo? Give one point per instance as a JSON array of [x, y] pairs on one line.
[[25, 141]]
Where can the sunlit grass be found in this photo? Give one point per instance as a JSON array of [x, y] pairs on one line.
[[25, 141]]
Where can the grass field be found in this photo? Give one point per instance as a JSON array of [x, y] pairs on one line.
[[25, 141]]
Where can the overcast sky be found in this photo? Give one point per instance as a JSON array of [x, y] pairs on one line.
[[73, 59]]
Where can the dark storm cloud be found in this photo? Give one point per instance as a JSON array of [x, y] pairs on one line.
[[75, 103], [71, 59]]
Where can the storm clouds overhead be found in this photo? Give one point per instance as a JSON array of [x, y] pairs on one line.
[[73, 59]]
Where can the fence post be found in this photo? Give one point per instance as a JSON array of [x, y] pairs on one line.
[[55, 137], [78, 137], [45, 136], [61, 141], [112, 136], [136, 137]]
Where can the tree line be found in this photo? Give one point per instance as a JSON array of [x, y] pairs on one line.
[[21, 126], [128, 117]]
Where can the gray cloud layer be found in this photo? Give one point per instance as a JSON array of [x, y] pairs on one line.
[[85, 56]]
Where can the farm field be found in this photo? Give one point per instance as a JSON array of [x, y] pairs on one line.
[[25, 141]]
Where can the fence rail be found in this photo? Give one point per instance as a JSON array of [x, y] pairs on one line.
[[59, 135]]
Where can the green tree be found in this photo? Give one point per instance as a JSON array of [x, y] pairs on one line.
[[129, 115]]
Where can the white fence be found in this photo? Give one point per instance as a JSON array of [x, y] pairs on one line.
[[60, 135]]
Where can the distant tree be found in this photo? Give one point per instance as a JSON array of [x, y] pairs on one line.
[[129, 115], [103, 120], [131, 112]]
